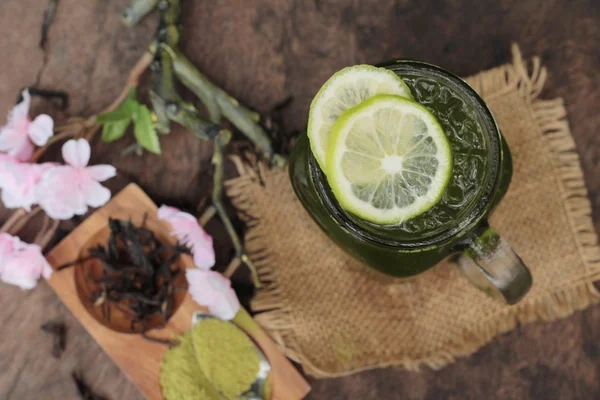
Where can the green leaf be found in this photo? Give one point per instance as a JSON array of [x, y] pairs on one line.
[[144, 130], [114, 130], [126, 109]]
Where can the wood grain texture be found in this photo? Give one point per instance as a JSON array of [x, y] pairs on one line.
[[137, 357], [263, 51]]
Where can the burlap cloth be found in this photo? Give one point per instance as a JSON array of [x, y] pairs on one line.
[[335, 316]]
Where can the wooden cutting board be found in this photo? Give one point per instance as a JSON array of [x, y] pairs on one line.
[[138, 358]]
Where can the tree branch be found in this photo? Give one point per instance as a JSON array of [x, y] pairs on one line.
[[45, 239], [16, 228], [218, 102], [13, 219], [218, 162]]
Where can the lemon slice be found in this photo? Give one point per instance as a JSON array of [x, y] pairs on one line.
[[388, 160], [346, 89]]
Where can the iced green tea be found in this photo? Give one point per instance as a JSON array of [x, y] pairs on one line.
[[481, 174]]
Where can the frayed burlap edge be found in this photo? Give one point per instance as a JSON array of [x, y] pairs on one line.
[[276, 317]]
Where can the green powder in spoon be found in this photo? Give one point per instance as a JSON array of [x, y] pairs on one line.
[[226, 356], [181, 377], [215, 360]]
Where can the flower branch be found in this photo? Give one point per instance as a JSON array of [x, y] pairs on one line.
[[61, 191], [20, 224], [12, 220], [76, 127]]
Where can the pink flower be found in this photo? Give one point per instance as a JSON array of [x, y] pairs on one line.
[[18, 182], [17, 135], [21, 264], [211, 289], [68, 190], [189, 232], [8, 244], [6, 163]]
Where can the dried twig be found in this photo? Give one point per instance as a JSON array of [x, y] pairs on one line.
[[217, 161], [232, 267], [13, 219], [66, 134], [45, 239], [16, 228], [45, 225], [207, 215]]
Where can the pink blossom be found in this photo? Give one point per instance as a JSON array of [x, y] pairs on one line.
[[211, 289], [189, 232], [17, 135], [18, 182], [6, 163], [8, 244], [68, 190], [21, 264]]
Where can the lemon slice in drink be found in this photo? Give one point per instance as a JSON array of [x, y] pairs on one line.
[[388, 160], [346, 89]]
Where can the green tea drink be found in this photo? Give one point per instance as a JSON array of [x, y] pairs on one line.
[[480, 174], [401, 167]]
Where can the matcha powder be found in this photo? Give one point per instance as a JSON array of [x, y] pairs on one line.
[[219, 363], [181, 377], [226, 356]]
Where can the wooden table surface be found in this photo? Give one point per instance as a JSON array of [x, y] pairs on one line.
[[263, 51]]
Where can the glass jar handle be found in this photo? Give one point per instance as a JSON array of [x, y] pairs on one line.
[[492, 266]]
